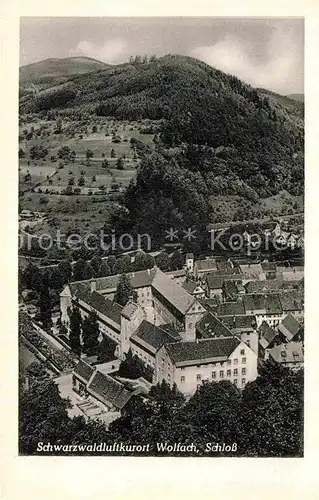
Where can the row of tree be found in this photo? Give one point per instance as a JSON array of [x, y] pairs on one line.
[[264, 420]]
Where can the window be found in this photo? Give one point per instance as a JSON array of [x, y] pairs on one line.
[[182, 379], [190, 325], [198, 376], [228, 373], [213, 374], [242, 352], [221, 374], [236, 361], [243, 360], [183, 368], [235, 371], [248, 343], [229, 362], [243, 371], [235, 381], [243, 381], [168, 376]]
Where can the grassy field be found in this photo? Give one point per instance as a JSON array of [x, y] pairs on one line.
[[101, 143]]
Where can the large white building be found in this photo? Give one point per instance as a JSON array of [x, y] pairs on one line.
[[161, 327]]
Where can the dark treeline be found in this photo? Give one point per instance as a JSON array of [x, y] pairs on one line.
[[265, 419]]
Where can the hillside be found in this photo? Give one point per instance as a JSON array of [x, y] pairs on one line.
[[52, 71], [297, 97], [218, 136]]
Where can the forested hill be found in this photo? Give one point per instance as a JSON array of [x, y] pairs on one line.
[[218, 134]]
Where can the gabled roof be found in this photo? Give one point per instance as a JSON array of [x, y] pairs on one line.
[[251, 270], [290, 302], [267, 334], [287, 353], [289, 327], [206, 264], [171, 291], [154, 336], [202, 351], [231, 309], [190, 286], [108, 390], [100, 303], [266, 304], [230, 287], [214, 282], [244, 323], [263, 286], [210, 326], [83, 370]]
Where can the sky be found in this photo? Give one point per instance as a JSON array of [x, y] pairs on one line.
[[266, 53]]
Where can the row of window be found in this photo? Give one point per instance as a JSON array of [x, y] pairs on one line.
[[229, 361], [221, 374]]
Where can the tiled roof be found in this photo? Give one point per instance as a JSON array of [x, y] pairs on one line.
[[290, 302], [230, 287], [178, 273], [224, 265], [83, 370], [263, 286], [208, 350], [214, 282], [289, 326], [206, 264], [247, 322], [210, 326], [101, 304], [154, 336], [287, 353], [268, 304], [267, 334], [231, 309], [190, 286], [109, 390], [251, 270], [172, 292]]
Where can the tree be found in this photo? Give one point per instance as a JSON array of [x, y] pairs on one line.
[[37, 371], [122, 265], [75, 328], [104, 269], [58, 128], [120, 164], [32, 277], [89, 154], [88, 271], [96, 263], [65, 269], [132, 367], [124, 291], [177, 260], [81, 181], [94, 129], [21, 153], [113, 155], [78, 270], [105, 164], [45, 306], [272, 413], [163, 393], [143, 261], [162, 260], [90, 333]]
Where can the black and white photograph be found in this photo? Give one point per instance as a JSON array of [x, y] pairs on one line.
[[161, 237]]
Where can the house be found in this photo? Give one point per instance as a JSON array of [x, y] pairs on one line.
[[88, 381], [194, 289], [272, 229], [268, 338], [189, 364], [290, 273], [214, 286], [189, 262], [202, 267], [269, 269], [231, 309], [292, 302], [244, 327], [179, 275], [263, 287], [292, 241], [290, 355], [264, 307], [210, 326], [290, 329], [252, 272], [149, 338], [231, 290], [160, 301]]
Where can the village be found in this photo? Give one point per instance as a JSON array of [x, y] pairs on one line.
[[213, 319]]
